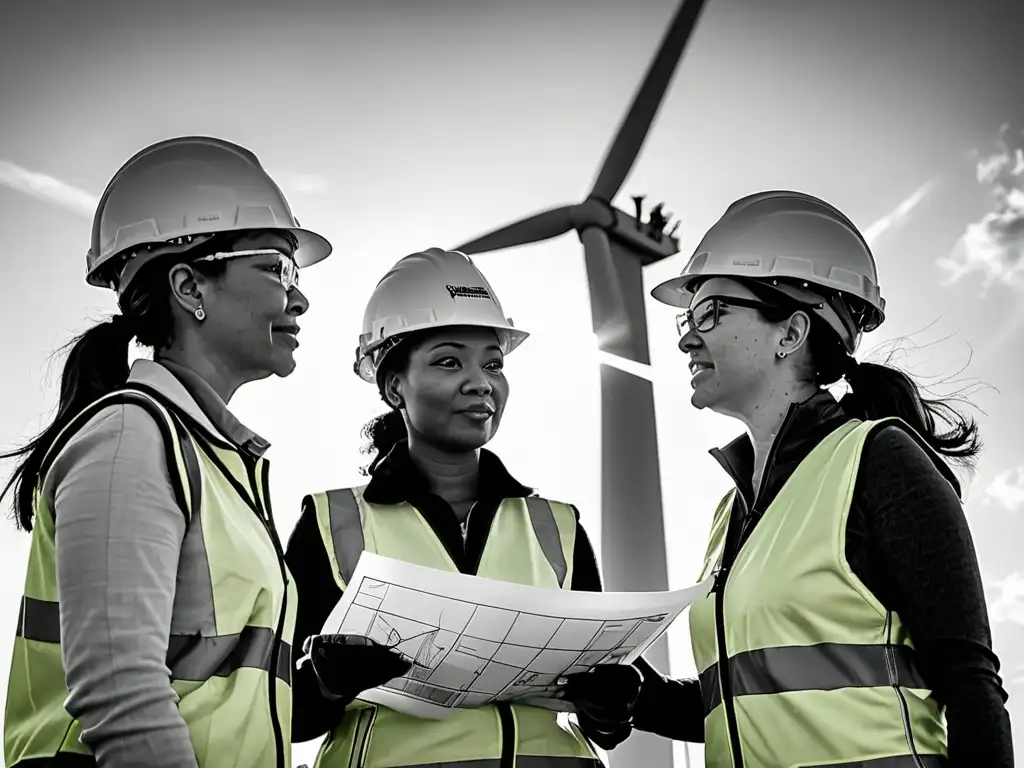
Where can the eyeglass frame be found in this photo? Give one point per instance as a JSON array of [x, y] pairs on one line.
[[684, 320], [289, 269]]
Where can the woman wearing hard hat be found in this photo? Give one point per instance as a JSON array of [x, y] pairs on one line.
[[847, 623], [157, 615], [434, 342]]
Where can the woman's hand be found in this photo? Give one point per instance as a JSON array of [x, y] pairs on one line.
[[347, 665], [604, 698]]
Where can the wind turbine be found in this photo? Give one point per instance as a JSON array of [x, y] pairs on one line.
[[617, 246]]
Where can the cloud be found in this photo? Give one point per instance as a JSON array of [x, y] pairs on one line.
[[307, 183], [994, 245], [1006, 600], [900, 213], [1007, 489], [47, 188]]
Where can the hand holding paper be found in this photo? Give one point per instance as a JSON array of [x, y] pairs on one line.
[[471, 641], [347, 665]]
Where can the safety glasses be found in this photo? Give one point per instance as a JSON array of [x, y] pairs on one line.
[[705, 316], [287, 269]]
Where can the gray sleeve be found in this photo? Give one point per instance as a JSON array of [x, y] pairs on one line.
[[118, 535]]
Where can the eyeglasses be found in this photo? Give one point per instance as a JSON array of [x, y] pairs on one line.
[[705, 316], [287, 269]]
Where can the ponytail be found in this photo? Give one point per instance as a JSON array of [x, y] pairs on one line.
[[96, 365], [384, 433], [880, 391]]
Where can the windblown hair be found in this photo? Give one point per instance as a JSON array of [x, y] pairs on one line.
[[879, 390]]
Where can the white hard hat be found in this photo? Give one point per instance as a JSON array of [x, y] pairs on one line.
[[177, 192], [430, 289], [798, 244]]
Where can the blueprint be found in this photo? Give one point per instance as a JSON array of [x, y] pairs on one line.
[[473, 641]]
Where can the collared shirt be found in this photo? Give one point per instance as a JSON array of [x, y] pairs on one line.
[[118, 536], [211, 408], [397, 480]]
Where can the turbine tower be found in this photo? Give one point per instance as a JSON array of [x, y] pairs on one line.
[[616, 248]]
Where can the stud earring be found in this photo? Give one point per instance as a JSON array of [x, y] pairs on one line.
[[781, 355], [200, 314]]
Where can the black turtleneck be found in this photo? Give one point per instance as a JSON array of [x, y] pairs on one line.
[[396, 480], [908, 540]]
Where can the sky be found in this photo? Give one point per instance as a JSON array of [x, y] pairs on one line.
[[395, 126]]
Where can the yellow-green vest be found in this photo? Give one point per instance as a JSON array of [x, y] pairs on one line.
[[234, 607], [821, 674], [531, 542]]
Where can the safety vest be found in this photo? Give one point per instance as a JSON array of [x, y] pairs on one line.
[[819, 672], [234, 606], [530, 542]]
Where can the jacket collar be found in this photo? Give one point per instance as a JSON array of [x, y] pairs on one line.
[[397, 480], [806, 424], [196, 398]]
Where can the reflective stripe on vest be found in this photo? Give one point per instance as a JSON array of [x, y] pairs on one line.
[[189, 657], [227, 608], [820, 673], [530, 541], [822, 667]]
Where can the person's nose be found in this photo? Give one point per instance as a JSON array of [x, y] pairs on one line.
[[477, 382], [689, 341], [297, 303]]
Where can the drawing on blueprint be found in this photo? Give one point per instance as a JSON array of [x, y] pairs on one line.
[[466, 655]]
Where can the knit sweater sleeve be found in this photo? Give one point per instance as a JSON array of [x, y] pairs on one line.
[[909, 541]]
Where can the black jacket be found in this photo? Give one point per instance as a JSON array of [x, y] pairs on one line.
[[908, 540], [396, 480]]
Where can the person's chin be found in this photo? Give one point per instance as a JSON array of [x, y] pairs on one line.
[[284, 364], [472, 439]]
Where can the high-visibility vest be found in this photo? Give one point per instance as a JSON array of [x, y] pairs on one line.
[[234, 608], [820, 673], [530, 542]]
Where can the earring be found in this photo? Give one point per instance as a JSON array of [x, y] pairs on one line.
[[200, 314], [781, 355]]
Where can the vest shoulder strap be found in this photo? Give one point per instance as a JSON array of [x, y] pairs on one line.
[[340, 513], [871, 427], [554, 524], [183, 461]]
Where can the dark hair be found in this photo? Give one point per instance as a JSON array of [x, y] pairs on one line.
[[879, 390], [97, 363], [384, 432]]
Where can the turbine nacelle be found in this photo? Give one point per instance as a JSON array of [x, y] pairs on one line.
[[650, 240]]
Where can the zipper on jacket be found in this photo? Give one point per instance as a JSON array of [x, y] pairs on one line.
[[267, 518], [724, 675], [894, 681]]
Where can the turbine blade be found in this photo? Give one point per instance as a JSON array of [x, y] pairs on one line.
[[542, 226], [633, 130]]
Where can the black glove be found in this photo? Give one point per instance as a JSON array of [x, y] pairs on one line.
[[604, 698], [606, 740], [347, 665]]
